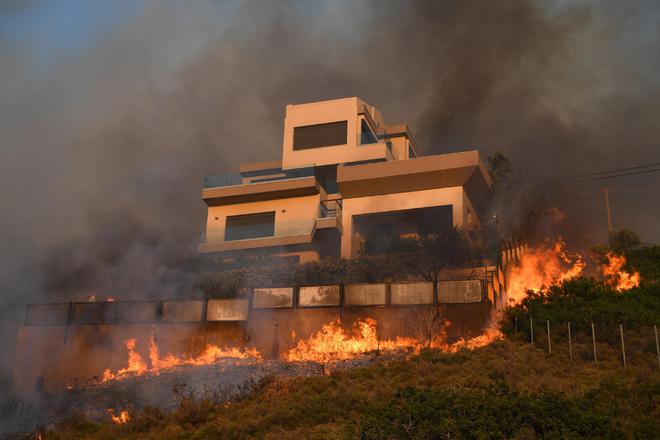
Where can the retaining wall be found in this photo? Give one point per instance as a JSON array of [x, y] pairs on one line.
[[73, 343]]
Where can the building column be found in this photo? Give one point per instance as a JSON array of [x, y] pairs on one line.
[[347, 233]]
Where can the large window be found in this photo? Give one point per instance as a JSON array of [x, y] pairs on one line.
[[241, 227], [320, 135], [367, 135]]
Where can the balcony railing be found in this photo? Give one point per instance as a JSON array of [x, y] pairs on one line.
[[258, 232], [330, 208], [232, 179], [223, 180]]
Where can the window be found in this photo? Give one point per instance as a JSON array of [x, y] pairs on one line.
[[367, 136], [320, 135], [241, 227]]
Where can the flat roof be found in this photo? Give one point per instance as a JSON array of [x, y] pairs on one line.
[[259, 166]]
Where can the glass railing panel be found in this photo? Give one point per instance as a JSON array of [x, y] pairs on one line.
[[257, 232], [330, 208], [223, 180], [231, 179]]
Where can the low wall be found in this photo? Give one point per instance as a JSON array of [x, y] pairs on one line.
[[79, 354], [72, 344]]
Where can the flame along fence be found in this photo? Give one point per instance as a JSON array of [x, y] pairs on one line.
[[238, 309], [583, 339]]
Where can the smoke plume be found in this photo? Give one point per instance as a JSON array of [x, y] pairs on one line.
[[105, 143]]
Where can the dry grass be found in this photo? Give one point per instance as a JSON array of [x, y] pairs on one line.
[[367, 402]]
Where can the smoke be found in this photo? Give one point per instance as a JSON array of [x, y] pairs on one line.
[[105, 143]]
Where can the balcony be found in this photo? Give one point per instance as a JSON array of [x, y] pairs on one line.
[[329, 215], [330, 208], [277, 234], [238, 179], [274, 234]]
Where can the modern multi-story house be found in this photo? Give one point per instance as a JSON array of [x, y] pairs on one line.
[[344, 174]]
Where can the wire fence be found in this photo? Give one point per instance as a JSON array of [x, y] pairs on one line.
[[587, 341]]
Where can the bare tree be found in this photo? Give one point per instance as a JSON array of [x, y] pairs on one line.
[[430, 323]]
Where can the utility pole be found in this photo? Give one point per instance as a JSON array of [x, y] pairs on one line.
[[606, 190]]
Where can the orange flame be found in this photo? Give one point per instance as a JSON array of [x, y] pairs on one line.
[[211, 354], [541, 267], [491, 335], [120, 419], [135, 363], [333, 342], [616, 276]]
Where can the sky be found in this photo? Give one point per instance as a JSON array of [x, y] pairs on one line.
[[112, 113]]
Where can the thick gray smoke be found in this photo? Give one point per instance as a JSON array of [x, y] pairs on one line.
[[105, 146]]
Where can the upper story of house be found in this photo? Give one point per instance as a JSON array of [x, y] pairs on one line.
[[317, 137], [347, 130], [340, 161]]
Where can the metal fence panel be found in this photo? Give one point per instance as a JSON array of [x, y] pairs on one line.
[[138, 311], [182, 311], [47, 314], [365, 295], [227, 310], [464, 291], [411, 293], [93, 313], [311, 296], [273, 298]]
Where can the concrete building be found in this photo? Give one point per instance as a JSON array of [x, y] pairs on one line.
[[344, 173]]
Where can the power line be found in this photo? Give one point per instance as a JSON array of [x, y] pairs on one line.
[[587, 179], [643, 191], [616, 171], [648, 191]]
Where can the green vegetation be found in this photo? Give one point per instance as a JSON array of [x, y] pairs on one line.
[[506, 390]]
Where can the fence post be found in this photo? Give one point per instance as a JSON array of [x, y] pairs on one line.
[[593, 338], [623, 347], [531, 330], [657, 347], [547, 322], [515, 318], [570, 343]]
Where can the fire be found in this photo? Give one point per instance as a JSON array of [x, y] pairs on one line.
[[543, 266], [135, 363], [137, 366], [616, 276], [92, 298], [120, 419], [334, 343], [491, 335]]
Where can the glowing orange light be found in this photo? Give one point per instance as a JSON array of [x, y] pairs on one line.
[[137, 366], [541, 267], [616, 276], [121, 418]]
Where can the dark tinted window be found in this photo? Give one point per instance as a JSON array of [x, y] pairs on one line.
[[320, 135], [241, 227], [366, 135]]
